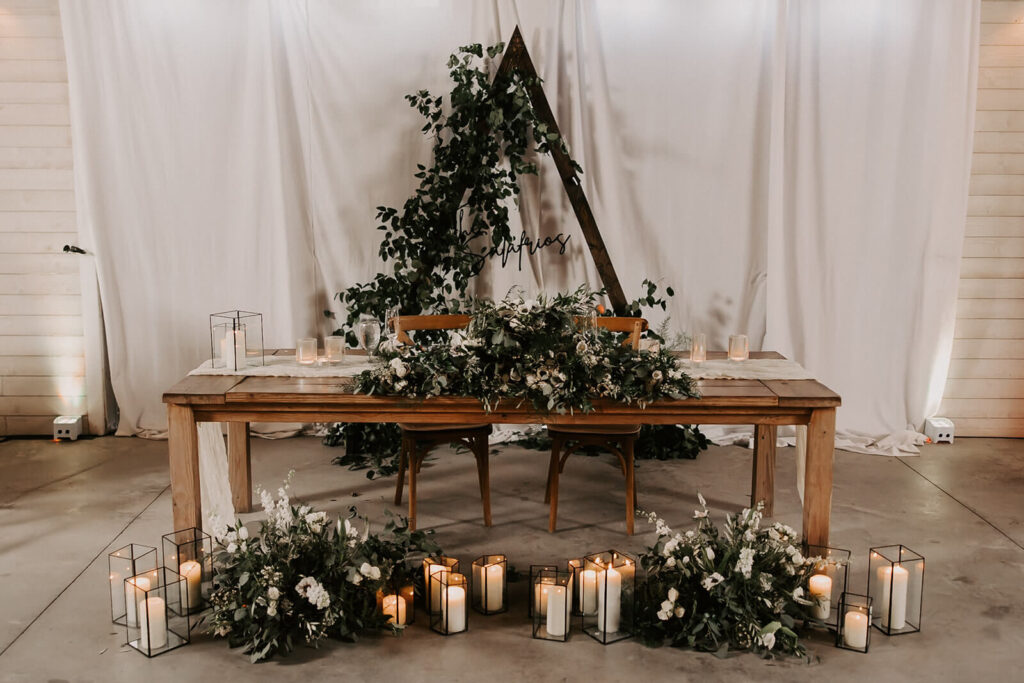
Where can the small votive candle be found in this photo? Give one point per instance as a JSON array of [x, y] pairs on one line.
[[305, 351], [699, 349], [739, 347], [853, 630], [820, 589], [334, 347]]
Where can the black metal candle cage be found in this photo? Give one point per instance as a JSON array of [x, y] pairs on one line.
[[896, 586], [608, 600], [833, 563], [162, 620], [853, 624], [490, 584], [431, 566], [452, 600], [397, 598], [533, 604], [189, 552], [125, 563], [552, 615], [236, 339]]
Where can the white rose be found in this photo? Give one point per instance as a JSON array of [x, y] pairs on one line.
[[768, 640], [680, 611], [667, 606], [273, 593], [243, 533], [232, 547], [656, 375], [673, 594], [400, 368]]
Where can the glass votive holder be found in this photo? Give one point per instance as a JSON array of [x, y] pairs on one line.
[[305, 351], [827, 583], [124, 563], [699, 348], [739, 347], [397, 598], [490, 584], [551, 621], [538, 590], [161, 620], [608, 581], [433, 566], [189, 553], [452, 602], [853, 630], [895, 584], [334, 349]]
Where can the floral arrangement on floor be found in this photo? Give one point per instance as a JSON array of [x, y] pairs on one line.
[[740, 587], [533, 350], [304, 578]]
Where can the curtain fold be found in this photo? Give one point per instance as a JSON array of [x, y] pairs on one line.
[[796, 170]]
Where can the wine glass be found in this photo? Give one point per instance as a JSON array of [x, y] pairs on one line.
[[368, 334]]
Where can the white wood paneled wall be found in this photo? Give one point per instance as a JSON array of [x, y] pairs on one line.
[[42, 360], [985, 391]]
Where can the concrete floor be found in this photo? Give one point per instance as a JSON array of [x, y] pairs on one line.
[[64, 506]]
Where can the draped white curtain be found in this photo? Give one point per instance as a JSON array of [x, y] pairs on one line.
[[795, 170]]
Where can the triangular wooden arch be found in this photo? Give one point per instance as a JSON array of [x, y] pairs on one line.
[[516, 58]]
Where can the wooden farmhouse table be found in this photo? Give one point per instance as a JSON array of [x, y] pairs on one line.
[[239, 400]]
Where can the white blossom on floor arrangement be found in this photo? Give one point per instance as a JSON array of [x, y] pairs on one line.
[[294, 581], [738, 587]]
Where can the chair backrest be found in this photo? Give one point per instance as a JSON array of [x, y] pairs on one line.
[[410, 323], [634, 326]]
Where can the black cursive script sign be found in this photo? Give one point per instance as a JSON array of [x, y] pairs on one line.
[[529, 245]]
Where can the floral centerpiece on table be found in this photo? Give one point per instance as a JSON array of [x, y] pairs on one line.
[[304, 578], [740, 587], [545, 351]]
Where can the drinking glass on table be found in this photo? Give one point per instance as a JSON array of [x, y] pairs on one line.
[[699, 348], [739, 347], [368, 333], [334, 348]]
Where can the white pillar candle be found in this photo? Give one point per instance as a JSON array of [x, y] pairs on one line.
[[117, 592], [588, 591], [239, 342], [191, 583], [555, 610], [914, 584], [394, 608], [894, 591], [133, 593], [540, 595], [453, 609], [489, 578], [434, 583], [227, 351], [855, 630], [609, 600], [153, 624], [820, 588]]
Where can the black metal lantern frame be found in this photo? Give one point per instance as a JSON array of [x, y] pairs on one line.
[[575, 567], [553, 618], [853, 630], [535, 603], [828, 583], [431, 591], [236, 339], [452, 601], [162, 618], [896, 584], [490, 584], [397, 598], [609, 580], [189, 552], [124, 563]]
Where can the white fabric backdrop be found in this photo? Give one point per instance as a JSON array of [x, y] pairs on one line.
[[767, 159]]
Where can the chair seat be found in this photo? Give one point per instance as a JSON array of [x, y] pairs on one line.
[[441, 427], [604, 430]]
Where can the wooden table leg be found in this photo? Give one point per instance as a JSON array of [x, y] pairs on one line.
[[762, 486], [821, 442], [240, 466], [183, 449]]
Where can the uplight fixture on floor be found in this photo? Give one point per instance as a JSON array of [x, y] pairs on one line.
[[67, 427]]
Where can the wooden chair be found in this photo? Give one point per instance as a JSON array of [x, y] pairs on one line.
[[619, 439], [419, 439]]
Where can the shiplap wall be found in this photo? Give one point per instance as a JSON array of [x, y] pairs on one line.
[[42, 366], [985, 392]]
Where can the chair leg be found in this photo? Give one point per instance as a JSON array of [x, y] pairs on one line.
[[403, 461], [413, 472], [556, 446], [552, 466], [483, 472], [627, 452]]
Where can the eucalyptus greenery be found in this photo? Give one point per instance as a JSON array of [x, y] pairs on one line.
[[304, 578], [741, 587]]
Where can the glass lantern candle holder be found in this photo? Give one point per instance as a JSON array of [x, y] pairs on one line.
[[124, 563], [452, 593], [431, 593], [334, 349], [853, 630], [305, 351], [828, 582], [236, 339], [161, 621], [538, 589], [575, 567], [397, 599], [608, 582], [189, 553], [896, 584], [490, 585], [552, 620]]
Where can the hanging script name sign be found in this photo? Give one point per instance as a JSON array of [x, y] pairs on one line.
[[530, 246]]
